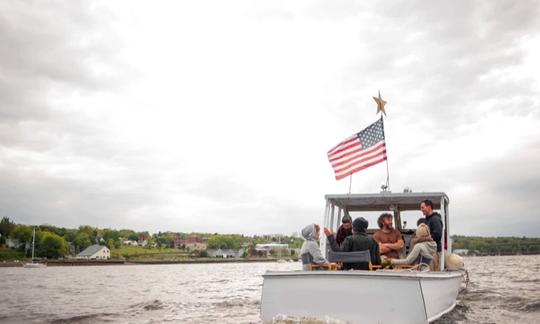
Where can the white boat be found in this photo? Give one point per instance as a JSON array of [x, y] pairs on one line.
[[361, 296], [34, 264]]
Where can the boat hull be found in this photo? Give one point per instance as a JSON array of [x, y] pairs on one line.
[[360, 296]]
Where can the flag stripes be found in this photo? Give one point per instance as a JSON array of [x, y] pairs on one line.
[[359, 151]]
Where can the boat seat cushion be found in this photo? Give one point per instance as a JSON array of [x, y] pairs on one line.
[[349, 257]]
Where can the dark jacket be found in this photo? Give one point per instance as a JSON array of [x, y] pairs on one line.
[[357, 242], [342, 233], [435, 224]]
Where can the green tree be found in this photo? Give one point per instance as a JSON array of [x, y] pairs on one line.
[[230, 241], [91, 231], [6, 226], [109, 234], [82, 240], [111, 244], [22, 233], [52, 246]]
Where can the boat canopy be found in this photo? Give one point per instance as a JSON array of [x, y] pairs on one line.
[[386, 201]]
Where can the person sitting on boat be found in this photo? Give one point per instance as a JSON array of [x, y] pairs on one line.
[[359, 241], [413, 241], [310, 248], [390, 240], [424, 247], [345, 229]]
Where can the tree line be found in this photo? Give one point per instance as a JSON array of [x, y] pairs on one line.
[[496, 245], [57, 242]]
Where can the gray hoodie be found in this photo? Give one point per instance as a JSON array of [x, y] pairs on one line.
[[310, 246], [425, 249]]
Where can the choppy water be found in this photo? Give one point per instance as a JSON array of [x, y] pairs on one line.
[[501, 290]]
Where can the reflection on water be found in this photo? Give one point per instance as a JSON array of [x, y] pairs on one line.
[[501, 289]]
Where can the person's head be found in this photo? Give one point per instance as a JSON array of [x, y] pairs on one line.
[[346, 222], [422, 231], [421, 220], [360, 225], [385, 221], [311, 232], [426, 206]]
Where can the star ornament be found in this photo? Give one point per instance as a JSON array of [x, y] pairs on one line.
[[380, 104]]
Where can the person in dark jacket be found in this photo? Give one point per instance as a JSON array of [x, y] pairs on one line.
[[434, 222], [344, 230], [359, 241]]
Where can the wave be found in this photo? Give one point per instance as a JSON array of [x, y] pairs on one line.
[[531, 306], [88, 318], [149, 306], [236, 302]]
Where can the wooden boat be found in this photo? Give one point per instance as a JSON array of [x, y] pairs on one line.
[[382, 296]]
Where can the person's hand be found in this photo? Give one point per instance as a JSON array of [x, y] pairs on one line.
[[328, 232]]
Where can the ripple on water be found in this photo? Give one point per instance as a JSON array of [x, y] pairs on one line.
[[148, 306], [87, 318]]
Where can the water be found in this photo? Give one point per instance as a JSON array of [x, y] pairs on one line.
[[501, 290]]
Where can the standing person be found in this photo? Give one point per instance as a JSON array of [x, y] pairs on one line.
[[359, 241], [311, 236], [434, 222], [390, 239], [345, 229]]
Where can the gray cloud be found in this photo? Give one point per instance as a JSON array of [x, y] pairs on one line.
[[437, 63], [457, 55]]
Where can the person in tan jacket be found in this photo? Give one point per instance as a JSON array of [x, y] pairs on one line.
[[424, 246]]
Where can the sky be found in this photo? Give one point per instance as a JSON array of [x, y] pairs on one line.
[[216, 116]]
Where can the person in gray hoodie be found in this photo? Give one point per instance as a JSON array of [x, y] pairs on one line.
[[310, 246], [425, 246]]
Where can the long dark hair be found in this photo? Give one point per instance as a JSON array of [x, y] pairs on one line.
[[380, 219]]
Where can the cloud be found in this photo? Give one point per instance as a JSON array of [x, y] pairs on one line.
[[176, 117]]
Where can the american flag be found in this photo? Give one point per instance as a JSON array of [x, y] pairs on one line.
[[359, 151]]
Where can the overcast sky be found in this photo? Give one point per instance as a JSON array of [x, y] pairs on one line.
[[216, 116]]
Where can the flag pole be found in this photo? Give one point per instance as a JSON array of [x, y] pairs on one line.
[[350, 183], [387, 169]]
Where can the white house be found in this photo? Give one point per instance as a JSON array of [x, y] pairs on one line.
[[225, 253], [130, 242], [95, 251]]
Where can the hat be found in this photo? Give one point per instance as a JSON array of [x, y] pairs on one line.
[[360, 224], [346, 219]]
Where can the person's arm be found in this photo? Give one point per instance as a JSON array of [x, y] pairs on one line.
[[395, 246], [333, 244], [413, 255], [375, 254]]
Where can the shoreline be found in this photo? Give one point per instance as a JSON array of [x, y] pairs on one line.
[[76, 263]]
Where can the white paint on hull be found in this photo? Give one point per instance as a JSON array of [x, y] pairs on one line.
[[359, 296]]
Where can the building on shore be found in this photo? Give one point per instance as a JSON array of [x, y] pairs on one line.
[[95, 252], [225, 253], [192, 242], [265, 248]]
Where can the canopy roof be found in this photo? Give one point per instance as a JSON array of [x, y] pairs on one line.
[[386, 201]]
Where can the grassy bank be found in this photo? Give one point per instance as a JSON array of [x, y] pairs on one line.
[[7, 254], [141, 253]]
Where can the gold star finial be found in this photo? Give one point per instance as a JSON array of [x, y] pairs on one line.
[[380, 104]]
